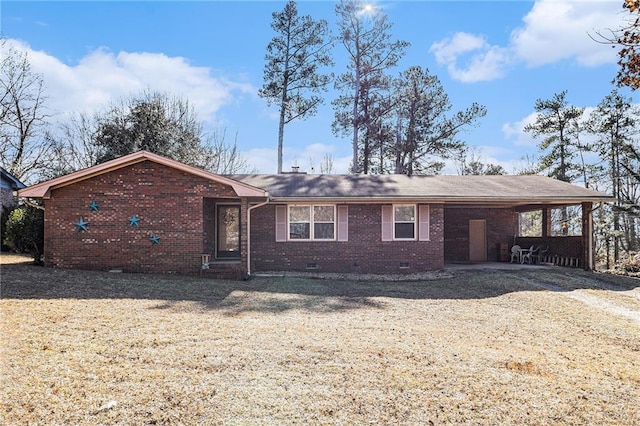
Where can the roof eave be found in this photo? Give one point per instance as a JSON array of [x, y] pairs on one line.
[[448, 199], [43, 190]]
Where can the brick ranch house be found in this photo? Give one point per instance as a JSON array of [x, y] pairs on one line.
[[145, 213]]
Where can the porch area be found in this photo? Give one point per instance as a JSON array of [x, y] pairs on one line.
[[477, 234], [224, 237], [558, 251]]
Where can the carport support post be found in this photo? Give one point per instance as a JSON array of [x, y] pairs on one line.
[[546, 223], [587, 236]]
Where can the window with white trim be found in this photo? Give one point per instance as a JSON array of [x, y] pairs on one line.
[[312, 222], [404, 222]]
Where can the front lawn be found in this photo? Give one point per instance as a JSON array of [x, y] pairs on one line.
[[488, 347]]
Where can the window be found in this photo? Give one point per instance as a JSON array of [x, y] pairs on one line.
[[312, 222], [300, 222], [404, 222], [530, 224], [566, 221], [323, 222], [563, 222]]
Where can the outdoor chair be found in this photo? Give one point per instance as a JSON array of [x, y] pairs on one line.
[[526, 255], [516, 253], [531, 256], [542, 254]]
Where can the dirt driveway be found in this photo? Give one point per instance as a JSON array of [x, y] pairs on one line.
[[551, 346]]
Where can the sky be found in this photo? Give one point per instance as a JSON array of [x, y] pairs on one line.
[[501, 54]]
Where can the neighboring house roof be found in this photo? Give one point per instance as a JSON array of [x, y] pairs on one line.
[[42, 190], [494, 190], [9, 181]]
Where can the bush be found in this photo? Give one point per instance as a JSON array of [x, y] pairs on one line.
[[25, 231], [628, 265], [4, 217]]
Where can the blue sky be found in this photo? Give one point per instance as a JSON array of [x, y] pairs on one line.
[[501, 54]]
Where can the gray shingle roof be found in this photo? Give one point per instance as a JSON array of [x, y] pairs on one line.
[[9, 180], [446, 188]]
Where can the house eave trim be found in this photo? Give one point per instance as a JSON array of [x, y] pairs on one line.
[[445, 200], [43, 190]]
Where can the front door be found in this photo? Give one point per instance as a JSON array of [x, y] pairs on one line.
[[228, 232], [478, 240]]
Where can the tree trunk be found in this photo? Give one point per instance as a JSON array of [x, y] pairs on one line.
[[355, 112], [398, 166]]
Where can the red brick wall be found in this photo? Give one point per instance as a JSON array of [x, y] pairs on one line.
[[365, 252], [168, 202], [501, 228]]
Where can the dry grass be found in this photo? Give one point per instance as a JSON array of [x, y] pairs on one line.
[[12, 258], [484, 347]]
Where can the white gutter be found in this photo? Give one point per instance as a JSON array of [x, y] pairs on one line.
[[249, 231], [501, 201]]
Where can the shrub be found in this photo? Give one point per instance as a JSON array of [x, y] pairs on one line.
[[628, 265], [4, 217], [25, 231]]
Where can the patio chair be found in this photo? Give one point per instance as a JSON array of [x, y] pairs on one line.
[[525, 255], [531, 256], [516, 253], [541, 256]]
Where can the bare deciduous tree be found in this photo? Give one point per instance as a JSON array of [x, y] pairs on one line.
[[221, 157], [71, 145], [470, 163], [22, 114]]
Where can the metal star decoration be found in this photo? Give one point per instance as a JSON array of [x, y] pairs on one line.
[[154, 239], [94, 206], [133, 220], [81, 225]]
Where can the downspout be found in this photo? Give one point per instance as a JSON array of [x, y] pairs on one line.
[[266, 194]]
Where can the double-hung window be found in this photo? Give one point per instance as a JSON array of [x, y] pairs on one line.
[[300, 222], [404, 222], [312, 222]]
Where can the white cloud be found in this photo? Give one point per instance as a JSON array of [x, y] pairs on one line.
[[448, 50], [555, 30], [515, 132], [308, 158], [485, 66], [552, 31], [102, 77], [263, 160], [486, 62]]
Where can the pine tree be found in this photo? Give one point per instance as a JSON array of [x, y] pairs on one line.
[[365, 34], [292, 77]]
